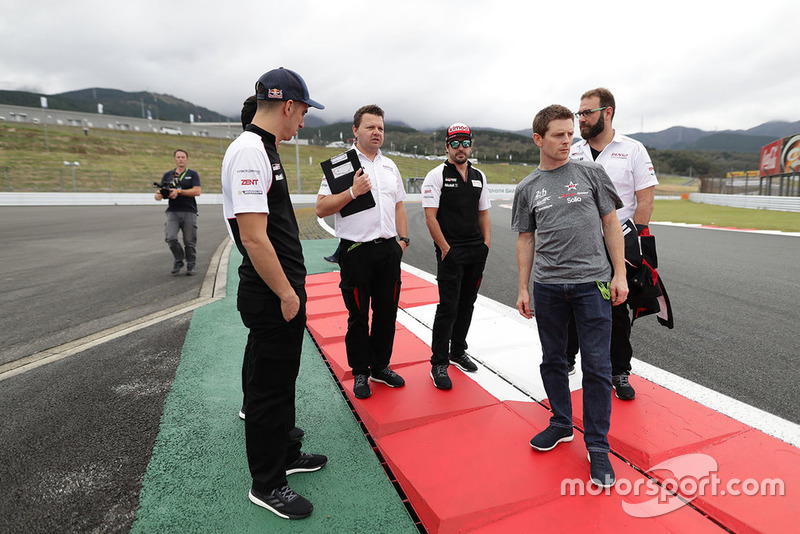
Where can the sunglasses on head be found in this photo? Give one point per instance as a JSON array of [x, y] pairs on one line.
[[466, 143]]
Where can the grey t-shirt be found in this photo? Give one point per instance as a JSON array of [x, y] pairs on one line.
[[564, 207]]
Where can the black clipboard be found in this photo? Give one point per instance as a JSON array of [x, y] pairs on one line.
[[339, 172]]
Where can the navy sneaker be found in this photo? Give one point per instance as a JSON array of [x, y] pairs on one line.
[[282, 502], [622, 388], [602, 474], [440, 378], [388, 377], [551, 436], [307, 463], [361, 386], [464, 363]]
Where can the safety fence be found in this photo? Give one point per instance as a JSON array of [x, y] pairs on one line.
[[764, 202], [780, 185]]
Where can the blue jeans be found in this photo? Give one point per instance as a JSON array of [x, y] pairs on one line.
[[553, 304]]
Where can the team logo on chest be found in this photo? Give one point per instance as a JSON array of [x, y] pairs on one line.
[[572, 194]]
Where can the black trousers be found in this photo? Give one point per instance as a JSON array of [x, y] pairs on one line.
[[270, 368], [459, 278], [370, 277], [621, 349]]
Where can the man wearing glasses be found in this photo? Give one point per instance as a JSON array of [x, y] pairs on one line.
[[628, 164], [456, 204]]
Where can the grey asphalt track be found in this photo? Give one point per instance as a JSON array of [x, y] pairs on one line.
[[77, 434]]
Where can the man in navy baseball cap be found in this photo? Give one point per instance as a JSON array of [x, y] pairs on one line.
[[271, 295], [284, 84]]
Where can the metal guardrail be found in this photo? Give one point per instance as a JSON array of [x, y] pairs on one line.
[[763, 202], [781, 185]]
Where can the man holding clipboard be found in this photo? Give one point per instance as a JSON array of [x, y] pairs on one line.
[[369, 249]]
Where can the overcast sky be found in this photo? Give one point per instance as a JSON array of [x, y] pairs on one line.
[[703, 64]]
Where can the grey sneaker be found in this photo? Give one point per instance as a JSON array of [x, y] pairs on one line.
[[388, 377], [551, 436], [440, 378], [361, 386], [464, 363], [602, 474], [176, 267], [622, 388], [282, 502]]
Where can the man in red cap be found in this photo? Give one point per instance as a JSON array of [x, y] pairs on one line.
[[456, 204]]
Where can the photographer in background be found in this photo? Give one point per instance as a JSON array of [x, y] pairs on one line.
[[181, 186]]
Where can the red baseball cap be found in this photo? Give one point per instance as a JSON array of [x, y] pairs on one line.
[[459, 129]]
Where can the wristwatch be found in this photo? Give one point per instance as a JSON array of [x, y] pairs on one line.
[[407, 240]]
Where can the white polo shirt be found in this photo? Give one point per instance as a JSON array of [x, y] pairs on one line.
[[387, 189], [628, 164], [246, 176]]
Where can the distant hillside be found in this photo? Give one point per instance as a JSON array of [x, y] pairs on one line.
[[774, 129], [115, 102], [669, 138], [731, 142]]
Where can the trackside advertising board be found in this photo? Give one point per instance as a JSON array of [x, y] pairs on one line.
[[781, 156]]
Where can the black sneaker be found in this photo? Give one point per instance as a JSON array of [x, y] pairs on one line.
[[283, 502], [361, 386], [388, 377], [602, 474], [331, 259], [241, 413], [570, 369], [464, 363], [622, 388], [551, 436], [440, 378], [190, 270], [307, 463], [176, 267]]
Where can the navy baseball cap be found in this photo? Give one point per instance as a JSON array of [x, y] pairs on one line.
[[284, 84]]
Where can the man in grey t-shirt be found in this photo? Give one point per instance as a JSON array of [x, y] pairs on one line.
[[571, 207]]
